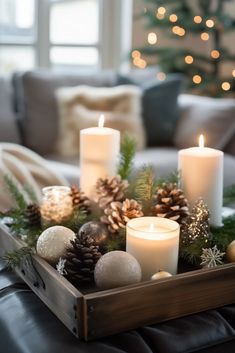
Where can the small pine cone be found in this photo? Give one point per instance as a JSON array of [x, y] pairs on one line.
[[171, 203], [33, 215], [117, 214], [81, 259], [110, 189], [80, 200]]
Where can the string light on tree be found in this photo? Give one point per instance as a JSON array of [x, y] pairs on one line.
[[197, 19], [180, 31], [161, 10], [135, 54], [215, 54], [188, 59], [161, 76], [152, 38], [210, 23], [205, 36], [173, 18], [197, 79], [226, 86], [233, 73]]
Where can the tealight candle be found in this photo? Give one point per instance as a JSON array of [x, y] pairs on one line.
[[57, 205], [154, 242], [99, 151], [201, 172]]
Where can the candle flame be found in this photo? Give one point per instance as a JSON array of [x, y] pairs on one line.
[[101, 121], [151, 227], [201, 141]]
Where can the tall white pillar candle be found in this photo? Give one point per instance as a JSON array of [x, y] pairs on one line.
[[201, 171], [154, 242], [99, 151]]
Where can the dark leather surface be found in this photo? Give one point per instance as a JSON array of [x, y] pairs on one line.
[[27, 326]]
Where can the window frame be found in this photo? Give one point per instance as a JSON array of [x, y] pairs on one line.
[[115, 22]]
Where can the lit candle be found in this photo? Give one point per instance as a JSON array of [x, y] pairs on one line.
[[99, 151], [201, 171], [57, 205], [154, 242]]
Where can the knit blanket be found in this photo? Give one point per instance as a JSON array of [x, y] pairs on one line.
[[27, 169]]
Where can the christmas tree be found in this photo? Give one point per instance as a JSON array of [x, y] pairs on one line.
[[184, 22]]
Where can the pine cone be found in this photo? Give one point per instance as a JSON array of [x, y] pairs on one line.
[[33, 215], [110, 189], [81, 259], [80, 200], [117, 214], [171, 203]]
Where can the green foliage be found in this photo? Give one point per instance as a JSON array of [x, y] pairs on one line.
[[15, 258], [223, 236], [128, 148], [229, 195], [15, 193], [116, 241], [145, 188], [172, 58], [77, 220]]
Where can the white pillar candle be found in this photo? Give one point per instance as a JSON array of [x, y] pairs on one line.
[[201, 172], [154, 242], [99, 151]]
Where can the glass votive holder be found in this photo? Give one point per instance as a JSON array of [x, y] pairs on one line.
[[57, 205], [154, 242]]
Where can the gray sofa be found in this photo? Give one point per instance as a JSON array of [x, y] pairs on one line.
[[29, 116]]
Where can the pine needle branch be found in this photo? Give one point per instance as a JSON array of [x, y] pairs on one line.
[[229, 195], [145, 184], [31, 194], [128, 148], [14, 258], [15, 193]]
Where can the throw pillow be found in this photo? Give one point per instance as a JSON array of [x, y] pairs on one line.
[[212, 117], [160, 108], [8, 126], [80, 107]]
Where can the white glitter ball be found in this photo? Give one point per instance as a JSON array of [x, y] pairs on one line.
[[116, 269], [53, 242]]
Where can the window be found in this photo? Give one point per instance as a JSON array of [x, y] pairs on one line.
[[61, 34]]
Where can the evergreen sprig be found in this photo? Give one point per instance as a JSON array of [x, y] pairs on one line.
[[128, 148], [17, 196], [15, 258], [146, 187], [229, 195], [223, 236]]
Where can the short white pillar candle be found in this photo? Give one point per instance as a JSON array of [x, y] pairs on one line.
[[201, 173], [154, 242], [99, 152]]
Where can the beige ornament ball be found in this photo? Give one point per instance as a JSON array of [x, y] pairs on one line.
[[230, 252], [160, 274], [116, 269], [53, 242]]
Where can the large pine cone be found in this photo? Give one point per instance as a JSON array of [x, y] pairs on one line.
[[117, 214], [171, 203], [33, 215], [81, 259], [80, 200], [110, 189]]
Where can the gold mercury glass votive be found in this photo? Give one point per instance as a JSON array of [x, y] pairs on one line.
[[57, 205]]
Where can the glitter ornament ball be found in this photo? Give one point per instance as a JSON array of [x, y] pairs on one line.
[[53, 242], [230, 252], [160, 274], [116, 269], [96, 230]]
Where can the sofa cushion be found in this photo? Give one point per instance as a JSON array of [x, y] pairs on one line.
[[160, 107], [40, 118], [8, 126], [212, 117], [80, 107]]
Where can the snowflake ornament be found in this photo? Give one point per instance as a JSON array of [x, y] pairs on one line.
[[212, 257], [60, 267]]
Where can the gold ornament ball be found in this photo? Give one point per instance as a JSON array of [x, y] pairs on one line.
[[160, 274], [53, 242], [230, 252]]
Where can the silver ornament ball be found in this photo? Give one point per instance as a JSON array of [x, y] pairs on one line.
[[53, 242], [116, 269]]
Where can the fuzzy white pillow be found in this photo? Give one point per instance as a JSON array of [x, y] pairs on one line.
[[80, 108]]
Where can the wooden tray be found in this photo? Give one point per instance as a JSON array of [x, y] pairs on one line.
[[102, 313]]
